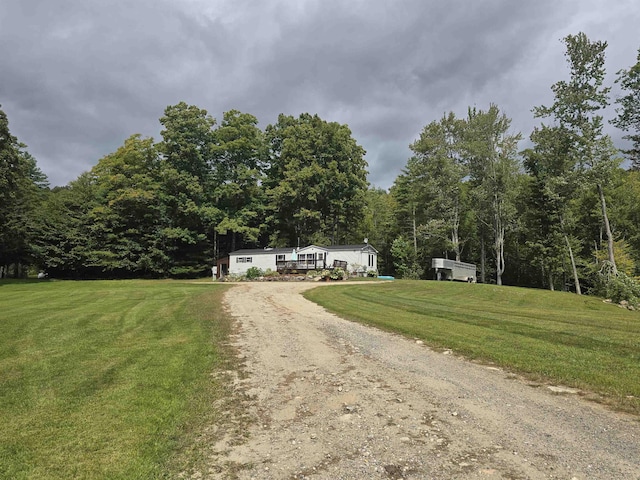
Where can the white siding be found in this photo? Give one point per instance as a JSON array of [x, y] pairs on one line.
[[357, 257], [262, 260]]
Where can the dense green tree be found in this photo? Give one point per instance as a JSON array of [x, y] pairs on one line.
[[187, 188], [626, 213], [22, 186], [405, 260], [317, 180], [129, 215], [552, 167], [628, 111], [409, 215], [413, 225], [575, 109], [239, 156], [378, 225], [437, 171], [490, 151], [64, 246], [187, 139]]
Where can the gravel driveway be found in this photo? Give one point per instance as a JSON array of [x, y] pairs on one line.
[[331, 399]]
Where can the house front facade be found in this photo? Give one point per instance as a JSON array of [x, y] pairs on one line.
[[353, 258]]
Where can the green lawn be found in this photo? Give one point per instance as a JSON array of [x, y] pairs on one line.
[[106, 379], [558, 337]]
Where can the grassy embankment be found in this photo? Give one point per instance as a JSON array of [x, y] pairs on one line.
[[556, 337], [107, 380]]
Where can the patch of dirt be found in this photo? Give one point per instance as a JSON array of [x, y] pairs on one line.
[[331, 399]]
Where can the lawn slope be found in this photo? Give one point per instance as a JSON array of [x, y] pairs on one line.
[[105, 379], [558, 337]]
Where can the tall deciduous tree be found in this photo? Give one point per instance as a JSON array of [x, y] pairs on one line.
[[628, 110], [551, 164], [239, 156], [187, 139], [317, 180], [187, 185], [575, 109], [437, 170], [21, 188], [129, 213], [491, 154]]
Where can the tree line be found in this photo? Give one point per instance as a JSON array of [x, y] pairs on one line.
[[562, 214], [171, 208]]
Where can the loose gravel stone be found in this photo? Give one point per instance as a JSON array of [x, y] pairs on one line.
[[374, 405]]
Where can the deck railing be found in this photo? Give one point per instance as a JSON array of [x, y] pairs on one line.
[[297, 266]]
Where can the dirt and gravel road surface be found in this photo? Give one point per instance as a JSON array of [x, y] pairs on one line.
[[332, 399]]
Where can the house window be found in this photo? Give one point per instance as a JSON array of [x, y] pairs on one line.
[[240, 260], [279, 258], [249, 259], [320, 255], [244, 259], [371, 260]]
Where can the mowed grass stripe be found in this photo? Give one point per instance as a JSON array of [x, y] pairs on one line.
[[567, 329], [105, 379], [539, 322], [549, 336]]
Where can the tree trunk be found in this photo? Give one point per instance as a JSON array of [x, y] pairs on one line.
[[574, 270], [415, 233], [607, 227], [551, 287], [498, 245], [215, 245], [483, 259], [456, 245], [455, 239], [499, 249], [573, 265]]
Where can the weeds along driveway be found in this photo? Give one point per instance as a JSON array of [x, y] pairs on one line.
[[332, 399]]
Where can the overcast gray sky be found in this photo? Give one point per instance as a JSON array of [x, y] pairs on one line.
[[77, 77]]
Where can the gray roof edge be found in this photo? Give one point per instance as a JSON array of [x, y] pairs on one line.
[[280, 250], [244, 251]]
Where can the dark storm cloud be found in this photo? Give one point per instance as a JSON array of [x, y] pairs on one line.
[[79, 77]]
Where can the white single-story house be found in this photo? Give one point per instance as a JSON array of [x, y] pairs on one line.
[[354, 258]]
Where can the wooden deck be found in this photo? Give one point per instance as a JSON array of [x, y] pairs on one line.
[[304, 266]]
